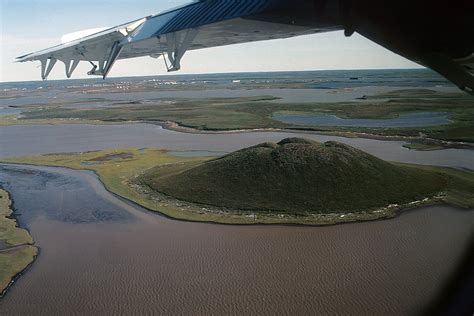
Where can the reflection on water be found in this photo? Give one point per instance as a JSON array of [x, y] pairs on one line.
[[404, 120], [150, 264]]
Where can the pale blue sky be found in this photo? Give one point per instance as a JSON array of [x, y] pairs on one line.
[[30, 25]]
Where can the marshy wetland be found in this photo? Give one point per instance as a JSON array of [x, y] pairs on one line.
[[440, 116], [103, 252]]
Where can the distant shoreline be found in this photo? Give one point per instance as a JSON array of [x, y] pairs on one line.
[[437, 144], [176, 127]]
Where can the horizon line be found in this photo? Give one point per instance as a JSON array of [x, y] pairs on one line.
[[213, 73]]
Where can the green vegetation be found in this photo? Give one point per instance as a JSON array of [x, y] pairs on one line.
[[118, 174], [7, 120], [211, 114], [256, 112], [9, 232], [459, 190], [17, 251], [297, 176], [136, 173], [13, 262], [423, 147]]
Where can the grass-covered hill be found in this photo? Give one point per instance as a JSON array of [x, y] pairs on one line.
[[296, 176]]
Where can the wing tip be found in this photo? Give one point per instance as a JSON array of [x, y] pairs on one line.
[[22, 58]]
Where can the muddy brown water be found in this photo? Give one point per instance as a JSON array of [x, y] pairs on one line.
[[102, 255]]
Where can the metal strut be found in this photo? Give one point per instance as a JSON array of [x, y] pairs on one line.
[[93, 70], [71, 66], [46, 66], [346, 14], [105, 65], [114, 54], [177, 45]]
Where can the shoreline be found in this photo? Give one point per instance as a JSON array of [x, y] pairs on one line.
[[389, 213], [17, 276], [176, 127], [396, 213], [301, 236], [20, 273]]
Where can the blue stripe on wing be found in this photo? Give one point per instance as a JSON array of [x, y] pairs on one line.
[[207, 12]]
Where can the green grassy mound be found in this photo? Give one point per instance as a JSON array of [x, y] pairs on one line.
[[296, 176]]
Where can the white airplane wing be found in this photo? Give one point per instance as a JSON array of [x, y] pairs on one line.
[[444, 47], [170, 34]]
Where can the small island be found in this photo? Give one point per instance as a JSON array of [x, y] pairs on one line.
[[298, 178], [17, 251]]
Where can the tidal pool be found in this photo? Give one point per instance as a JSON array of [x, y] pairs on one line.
[[143, 263], [404, 120]]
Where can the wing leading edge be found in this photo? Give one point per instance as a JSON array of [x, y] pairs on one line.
[[421, 31], [170, 34]]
